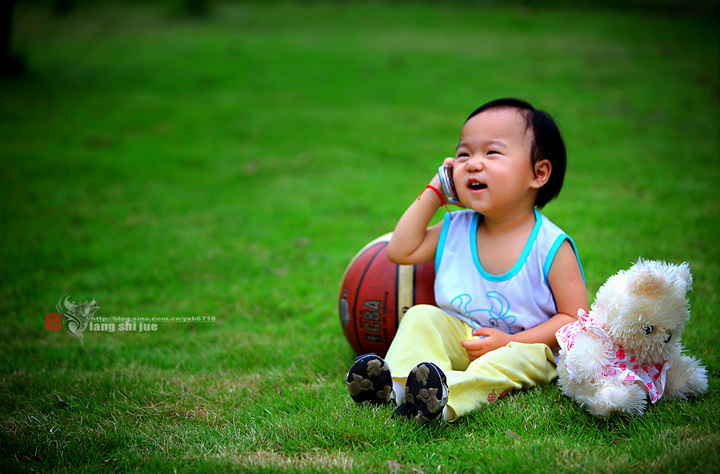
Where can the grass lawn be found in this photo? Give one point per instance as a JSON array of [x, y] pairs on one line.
[[230, 167]]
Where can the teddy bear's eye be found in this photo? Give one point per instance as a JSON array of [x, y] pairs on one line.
[[649, 329]]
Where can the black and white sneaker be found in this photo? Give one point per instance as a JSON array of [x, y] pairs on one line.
[[369, 381], [426, 394]]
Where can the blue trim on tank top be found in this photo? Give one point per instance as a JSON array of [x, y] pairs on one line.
[[441, 241], [553, 252], [523, 256]]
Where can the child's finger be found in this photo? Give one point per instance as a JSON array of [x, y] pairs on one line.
[[483, 332]]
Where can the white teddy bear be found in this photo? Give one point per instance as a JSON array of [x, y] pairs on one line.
[[628, 349]]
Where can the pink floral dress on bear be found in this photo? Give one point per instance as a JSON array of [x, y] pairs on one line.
[[624, 367]]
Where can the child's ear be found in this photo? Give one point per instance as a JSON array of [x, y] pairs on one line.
[[543, 168]]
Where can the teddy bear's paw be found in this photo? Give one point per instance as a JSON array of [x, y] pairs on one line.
[[588, 358], [563, 380], [620, 399], [686, 378]]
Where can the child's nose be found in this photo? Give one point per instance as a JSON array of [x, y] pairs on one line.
[[475, 163]]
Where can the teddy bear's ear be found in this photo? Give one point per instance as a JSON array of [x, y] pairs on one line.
[[646, 283], [685, 275]]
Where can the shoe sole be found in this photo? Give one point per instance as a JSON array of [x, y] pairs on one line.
[[426, 394], [369, 381]]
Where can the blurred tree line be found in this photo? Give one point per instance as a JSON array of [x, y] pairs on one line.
[[11, 64], [190, 7]]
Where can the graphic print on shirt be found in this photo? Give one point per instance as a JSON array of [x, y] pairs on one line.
[[496, 318]]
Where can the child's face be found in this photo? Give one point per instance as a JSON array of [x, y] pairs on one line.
[[492, 172]]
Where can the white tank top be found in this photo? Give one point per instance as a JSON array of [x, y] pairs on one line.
[[518, 300]]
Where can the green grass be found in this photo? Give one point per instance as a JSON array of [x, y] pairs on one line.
[[231, 167]]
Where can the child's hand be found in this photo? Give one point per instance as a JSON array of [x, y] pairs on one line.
[[489, 340], [449, 161], [435, 182]]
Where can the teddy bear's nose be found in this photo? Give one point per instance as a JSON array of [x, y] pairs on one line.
[[669, 337]]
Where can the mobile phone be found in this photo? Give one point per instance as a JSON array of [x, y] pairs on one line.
[[445, 172]]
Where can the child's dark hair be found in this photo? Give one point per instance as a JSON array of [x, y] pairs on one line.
[[547, 144]]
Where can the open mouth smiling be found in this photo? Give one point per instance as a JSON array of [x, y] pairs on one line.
[[476, 185]]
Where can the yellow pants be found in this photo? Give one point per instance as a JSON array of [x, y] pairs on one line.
[[427, 334]]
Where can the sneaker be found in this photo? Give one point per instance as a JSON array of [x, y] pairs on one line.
[[369, 381], [426, 394]]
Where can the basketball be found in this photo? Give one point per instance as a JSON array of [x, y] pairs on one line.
[[376, 293]]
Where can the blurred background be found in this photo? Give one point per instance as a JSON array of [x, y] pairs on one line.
[[229, 158], [180, 158]]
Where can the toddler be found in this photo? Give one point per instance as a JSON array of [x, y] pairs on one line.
[[506, 277]]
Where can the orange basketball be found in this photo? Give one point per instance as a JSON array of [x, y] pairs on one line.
[[376, 293]]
